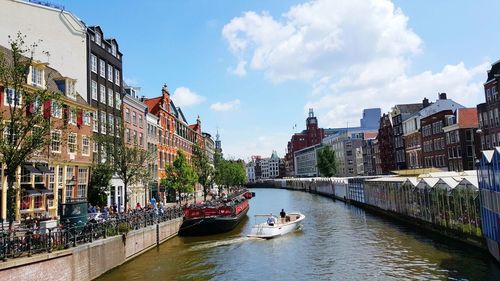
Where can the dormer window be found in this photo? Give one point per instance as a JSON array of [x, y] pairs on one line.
[[36, 78], [98, 38], [113, 49], [70, 88]]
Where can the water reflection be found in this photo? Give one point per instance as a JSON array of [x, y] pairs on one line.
[[338, 242]]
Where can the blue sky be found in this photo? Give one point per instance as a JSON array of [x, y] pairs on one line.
[[252, 68]]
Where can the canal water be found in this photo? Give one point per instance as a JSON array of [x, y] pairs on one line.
[[337, 242]]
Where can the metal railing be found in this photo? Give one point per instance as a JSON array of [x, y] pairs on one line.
[[26, 243]]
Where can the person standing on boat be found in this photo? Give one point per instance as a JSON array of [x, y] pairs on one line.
[[282, 215]]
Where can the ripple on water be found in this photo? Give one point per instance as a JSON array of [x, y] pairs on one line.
[[338, 242]]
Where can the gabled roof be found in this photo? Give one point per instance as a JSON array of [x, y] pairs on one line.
[[409, 108], [370, 135]]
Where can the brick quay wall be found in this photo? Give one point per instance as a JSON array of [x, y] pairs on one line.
[[89, 261]]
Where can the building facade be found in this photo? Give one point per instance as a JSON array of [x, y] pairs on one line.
[[385, 143], [488, 112], [153, 129], [412, 132], [59, 172], [400, 113], [312, 135], [135, 126], [48, 21], [306, 164], [209, 146], [462, 139]]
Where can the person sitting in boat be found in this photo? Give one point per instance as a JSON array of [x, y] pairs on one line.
[[271, 221]]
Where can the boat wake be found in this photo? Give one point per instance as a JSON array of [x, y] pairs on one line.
[[214, 244]]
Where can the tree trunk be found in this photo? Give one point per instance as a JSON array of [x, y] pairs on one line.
[[125, 197], [11, 201]]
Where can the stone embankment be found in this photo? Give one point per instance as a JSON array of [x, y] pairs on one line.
[[89, 261]]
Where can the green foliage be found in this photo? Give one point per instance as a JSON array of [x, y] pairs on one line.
[[204, 170], [180, 176], [327, 161], [100, 182], [229, 173], [27, 130], [128, 161]]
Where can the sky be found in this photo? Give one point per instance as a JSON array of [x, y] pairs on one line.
[[252, 69]]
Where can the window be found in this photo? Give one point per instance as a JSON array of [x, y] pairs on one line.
[[72, 143], [94, 90], [140, 139], [102, 120], [85, 146], [72, 116], [135, 137], [55, 143], [127, 133], [98, 38], [110, 72], [86, 118], [93, 63], [110, 97], [140, 121], [118, 101], [134, 118], [113, 49], [82, 182], [117, 77], [102, 68], [70, 177], [96, 121], [56, 110], [36, 76], [102, 94], [111, 122], [11, 98]]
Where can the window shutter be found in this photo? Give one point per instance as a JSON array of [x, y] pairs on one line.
[[79, 119], [47, 108]]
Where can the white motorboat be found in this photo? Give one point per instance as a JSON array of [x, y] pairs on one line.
[[276, 226]]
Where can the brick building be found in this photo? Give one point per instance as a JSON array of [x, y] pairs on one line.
[[488, 112], [434, 150], [400, 113], [312, 135], [412, 131], [60, 172], [175, 133], [462, 140], [385, 145]]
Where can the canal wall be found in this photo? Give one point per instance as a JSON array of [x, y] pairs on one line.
[[406, 200], [89, 261]]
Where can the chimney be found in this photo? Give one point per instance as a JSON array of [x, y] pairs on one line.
[[425, 102], [442, 96]]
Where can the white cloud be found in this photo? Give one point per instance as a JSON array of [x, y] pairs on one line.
[[354, 53], [225, 106], [184, 97], [321, 38], [239, 70], [262, 145]]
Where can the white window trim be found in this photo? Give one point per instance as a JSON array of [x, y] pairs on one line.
[[5, 98], [110, 72], [84, 137], [93, 63], [102, 66], [94, 89], [60, 141], [75, 143]]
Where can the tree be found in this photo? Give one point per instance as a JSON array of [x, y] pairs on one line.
[[229, 173], [100, 184], [24, 128], [180, 176], [327, 161], [204, 170], [129, 161]]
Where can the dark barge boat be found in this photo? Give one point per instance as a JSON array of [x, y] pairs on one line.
[[212, 218]]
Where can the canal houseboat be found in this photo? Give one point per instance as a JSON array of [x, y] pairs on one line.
[[216, 216]]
